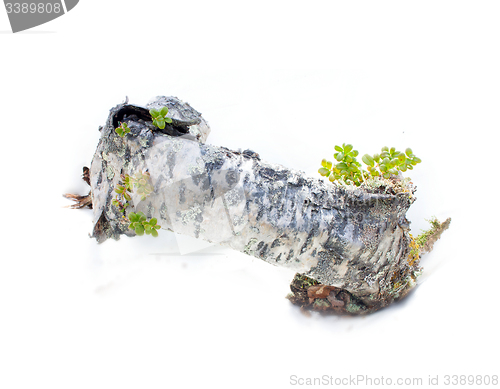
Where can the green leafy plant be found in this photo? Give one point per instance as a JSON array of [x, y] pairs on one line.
[[138, 221], [123, 192], [160, 117], [141, 182], [348, 170], [140, 224], [123, 129], [390, 161]]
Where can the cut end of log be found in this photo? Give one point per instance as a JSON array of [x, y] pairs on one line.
[[310, 295]]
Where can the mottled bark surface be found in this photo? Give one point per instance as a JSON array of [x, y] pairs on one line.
[[355, 241]]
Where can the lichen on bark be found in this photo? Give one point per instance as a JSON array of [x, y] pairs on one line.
[[350, 246]]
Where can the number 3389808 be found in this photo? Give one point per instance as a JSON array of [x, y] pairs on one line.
[[33, 8]]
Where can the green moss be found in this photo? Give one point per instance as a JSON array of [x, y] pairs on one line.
[[250, 243], [305, 281], [427, 238], [401, 287], [321, 304], [424, 236], [110, 173], [352, 308]]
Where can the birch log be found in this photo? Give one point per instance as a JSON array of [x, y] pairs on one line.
[[349, 246]]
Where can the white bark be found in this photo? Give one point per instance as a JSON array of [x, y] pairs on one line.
[[354, 239]]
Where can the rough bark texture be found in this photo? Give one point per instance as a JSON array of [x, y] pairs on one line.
[[354, 241]]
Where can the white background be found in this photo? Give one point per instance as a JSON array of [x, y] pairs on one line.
[[289, 80]]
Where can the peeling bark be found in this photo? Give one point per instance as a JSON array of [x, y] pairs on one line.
[[351, 244], [81, 201]]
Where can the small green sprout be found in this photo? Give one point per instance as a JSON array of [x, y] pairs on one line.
[[348, 170], [121, 205], [140, 224], [123, 191], [125, 188], [122, 130], [160, 117]]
